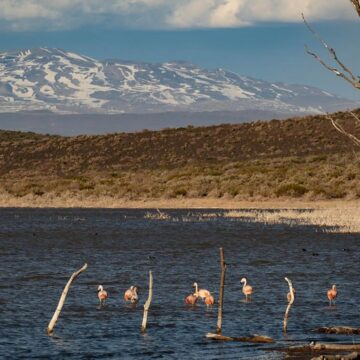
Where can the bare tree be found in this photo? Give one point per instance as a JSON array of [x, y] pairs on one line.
[[341, 70]]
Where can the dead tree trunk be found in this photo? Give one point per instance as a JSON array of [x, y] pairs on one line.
[[55, 317], [221, 292], [147, 303]]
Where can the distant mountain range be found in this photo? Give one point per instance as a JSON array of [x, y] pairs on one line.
[[65, 82]]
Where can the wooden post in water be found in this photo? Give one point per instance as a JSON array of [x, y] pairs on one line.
[[57, 312], [221, 292], [291, 298], [147, 303]]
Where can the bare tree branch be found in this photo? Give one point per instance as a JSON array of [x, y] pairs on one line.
[[329, 49], [346, 73], [356, 4], [356, 84], [341, 130], [355, 116]]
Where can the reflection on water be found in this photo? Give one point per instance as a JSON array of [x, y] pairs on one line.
[[39, 249]]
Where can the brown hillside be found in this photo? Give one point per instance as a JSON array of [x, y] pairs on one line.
[[266, 159]]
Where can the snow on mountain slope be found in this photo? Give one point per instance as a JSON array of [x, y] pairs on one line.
[[67, 82]]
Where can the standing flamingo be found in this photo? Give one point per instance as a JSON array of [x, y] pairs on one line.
[[209, 301], [191, 299], [202, 293], [102, 295], [247, 289], [331, 294], [131, 295]]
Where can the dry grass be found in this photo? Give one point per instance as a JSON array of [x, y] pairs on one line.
[[338, 219]]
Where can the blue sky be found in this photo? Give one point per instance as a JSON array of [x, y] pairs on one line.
[[259, 38]]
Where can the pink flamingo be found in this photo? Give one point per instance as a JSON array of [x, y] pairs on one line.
[[102, 295], [131, 295], [331, 294], [191, 299], [202, 293], [209, 300], [247, 289]]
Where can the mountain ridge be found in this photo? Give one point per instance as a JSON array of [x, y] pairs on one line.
[[66, 82]]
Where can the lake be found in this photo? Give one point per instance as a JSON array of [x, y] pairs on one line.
[[41, 248]]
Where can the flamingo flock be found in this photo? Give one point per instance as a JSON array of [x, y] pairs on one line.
[[203, 294], [131, 294]]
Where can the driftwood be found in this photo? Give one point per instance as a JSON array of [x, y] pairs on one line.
[[57, 312], [147, 303], [318, 347], [343, 330], [291, 301], [221, 293], [335, 347], [252, 339], [351, 356]]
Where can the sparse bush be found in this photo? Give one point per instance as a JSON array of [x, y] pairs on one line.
[[291, 190]]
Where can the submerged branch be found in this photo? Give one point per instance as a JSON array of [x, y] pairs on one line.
[[251, 339], [56, 315]]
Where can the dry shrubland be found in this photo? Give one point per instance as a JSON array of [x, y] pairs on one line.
[[303, 158]]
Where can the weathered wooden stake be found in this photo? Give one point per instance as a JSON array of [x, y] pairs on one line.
[[291, 300], [57, 312], [147, 303], [221, 292]]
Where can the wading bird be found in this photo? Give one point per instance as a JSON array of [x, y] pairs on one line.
[[202, 293], [131, 295], [102, 295], [247, 289], [209, 301], [191, 299], [331, 294]]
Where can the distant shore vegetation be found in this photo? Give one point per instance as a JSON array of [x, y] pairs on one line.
[[302, 158]]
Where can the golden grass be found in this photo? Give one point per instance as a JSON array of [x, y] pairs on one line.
[[337, 219], [341, 218]]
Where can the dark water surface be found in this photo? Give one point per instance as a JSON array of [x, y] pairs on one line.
[[39, 249]]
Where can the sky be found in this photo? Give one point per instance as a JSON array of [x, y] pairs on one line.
[[263, 39]]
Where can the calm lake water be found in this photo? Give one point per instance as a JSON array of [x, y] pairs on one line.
[[39, 249]]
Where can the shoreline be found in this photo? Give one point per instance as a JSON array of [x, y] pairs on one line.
[[180, 203]]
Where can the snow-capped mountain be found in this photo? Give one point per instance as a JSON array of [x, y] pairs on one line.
[[62, 81]]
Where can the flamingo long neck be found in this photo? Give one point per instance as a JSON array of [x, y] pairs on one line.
[[245, 282], [101, 288], [196, 288]]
